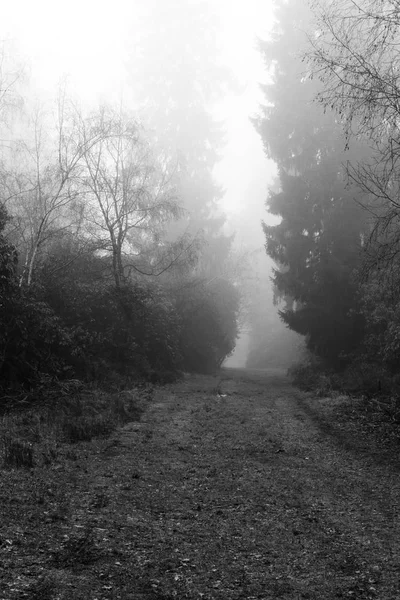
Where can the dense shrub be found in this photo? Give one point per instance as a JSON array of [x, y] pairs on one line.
[[73, 321], [33, 342], [129, 331], [208, 323], [382, 316], [305, 375]]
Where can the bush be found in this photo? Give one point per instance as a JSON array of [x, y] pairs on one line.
[[304, 375], [312, 375], [130, 331], [18, 453], [361, 377], [84, 429], [36, 435], [208, 323], [364, 376], [33, 342], [74, 322]]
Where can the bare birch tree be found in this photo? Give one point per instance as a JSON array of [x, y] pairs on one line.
[[41, 182], [130, 195]]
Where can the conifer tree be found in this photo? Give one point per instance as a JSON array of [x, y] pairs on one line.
[[318, 241]]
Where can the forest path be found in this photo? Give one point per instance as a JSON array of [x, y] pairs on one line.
[[235, 487], [246, 491]]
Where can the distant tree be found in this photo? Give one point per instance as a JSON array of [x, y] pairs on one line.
[[40, 181], [208, 314], [11, 75], [130, 197], [177, 80], [271, 342], [319, 238]]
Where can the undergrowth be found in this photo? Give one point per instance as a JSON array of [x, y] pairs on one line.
[[37, 433], [363, 393]]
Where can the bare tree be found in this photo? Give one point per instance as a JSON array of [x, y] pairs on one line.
[[41, 180], [11, 74], [130, 195], [356, 53]]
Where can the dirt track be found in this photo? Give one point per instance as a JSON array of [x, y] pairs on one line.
[[237, 487]]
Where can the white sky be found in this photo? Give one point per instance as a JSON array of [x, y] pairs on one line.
[[88, 41]]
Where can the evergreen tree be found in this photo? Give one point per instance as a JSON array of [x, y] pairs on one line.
[[318, 240], [177, 80]]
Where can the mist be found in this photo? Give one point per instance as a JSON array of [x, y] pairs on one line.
[[179, 192], [199, 299]]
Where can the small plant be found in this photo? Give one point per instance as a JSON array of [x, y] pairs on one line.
[[324, 385], [118, 407], [217, 390], [305, 375], [49, 451], [86, 428], [18, 454]]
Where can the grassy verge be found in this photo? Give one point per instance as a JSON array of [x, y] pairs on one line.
[[40, 433], [44, 452], [351, 409]]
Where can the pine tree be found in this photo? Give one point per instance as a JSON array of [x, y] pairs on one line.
[[318, 241], [177, 80]]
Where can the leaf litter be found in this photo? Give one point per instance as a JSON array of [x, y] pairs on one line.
[[240, 497]]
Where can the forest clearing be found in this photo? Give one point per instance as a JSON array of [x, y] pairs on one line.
[[234, 487]]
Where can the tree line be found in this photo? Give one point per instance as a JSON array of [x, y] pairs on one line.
[[113, 263], [330, 122]]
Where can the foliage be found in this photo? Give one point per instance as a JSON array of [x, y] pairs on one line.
[[303, 376], [86, 428], [318, 241], [128, 330], [381, 349], [90, 252], [81, 324], [130, 196], [8, 258], [177, 90], [38, 434], [17, 453], [208, 312], [32, 340], [356, 57]]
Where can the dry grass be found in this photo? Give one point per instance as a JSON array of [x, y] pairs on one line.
[[38, 435]]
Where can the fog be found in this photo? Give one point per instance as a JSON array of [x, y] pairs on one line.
[[187, 78], [199, 286]]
